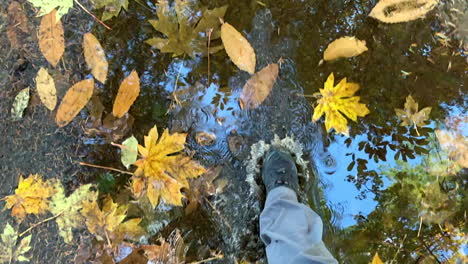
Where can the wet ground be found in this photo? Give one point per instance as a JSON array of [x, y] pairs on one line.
[[373, 187]]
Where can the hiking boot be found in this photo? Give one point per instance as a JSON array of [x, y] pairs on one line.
[[279, 169]]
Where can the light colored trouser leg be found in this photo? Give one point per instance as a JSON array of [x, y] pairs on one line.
[[291, 231]]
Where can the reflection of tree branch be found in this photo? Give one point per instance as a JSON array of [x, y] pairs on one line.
[[430, 251]]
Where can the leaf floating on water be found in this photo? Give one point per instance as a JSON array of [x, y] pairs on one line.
[[205, 138], [129, 151], [111, 7], [95, 57], [336, 101], [46, 89], [238, 48], [128, 93], [75, 99], [455, 144], [31, 197], [396, 11], [344, 47], [9, 252], [376, 259], [410, 115], [20, 104], [47, 6], [258, 87], [51, 40]]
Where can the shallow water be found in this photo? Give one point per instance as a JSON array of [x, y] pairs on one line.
[[376, 192]]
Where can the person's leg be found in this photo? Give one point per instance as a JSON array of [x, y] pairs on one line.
[[291, 231]]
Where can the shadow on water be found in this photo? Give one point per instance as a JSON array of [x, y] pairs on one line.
[[386, 188]]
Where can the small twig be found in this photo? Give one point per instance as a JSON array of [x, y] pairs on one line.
[[105, 168], [219, 256], [108, 239], [209, 42], [176, 82], [4, 198], [41, 222], [124, 147], [89, 13], [420, 225]]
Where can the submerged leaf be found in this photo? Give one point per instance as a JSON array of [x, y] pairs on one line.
[[17, 24], [410, 115], [128, 93], [68, 208], [238, 48], [20, 104], [46, 89], [396, 11], [75, 99], [9, 252], [47, 6], [344, 47], [186, 27], [258, 87], [129, 151], [51, 40], [31, 197], [111, 7], [163, 170], [337, 101], [95, 57]]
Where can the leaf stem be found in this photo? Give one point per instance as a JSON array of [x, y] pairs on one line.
[[218, 256], [209, 43], [105, 168], [125, 148], [89, 13], [41, 222]]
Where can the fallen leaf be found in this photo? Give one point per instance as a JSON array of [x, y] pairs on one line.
[[205, 138], [46, 89], [344, 47], [258, 87], [238, 48], [396, 11], [17, 24], [111, 7], [108, 224], [171, 252], [46, 6], [95, 109], [51, 40], [114, 128], [186, 26], [201, 187], [336, 101], [128, 93], [31, 197], [68, 208], [9, 252], [455, 144], [20, 104], [73, 101], [410, 115], [129, 151], [376, 259], [95, 57], [163, 170]]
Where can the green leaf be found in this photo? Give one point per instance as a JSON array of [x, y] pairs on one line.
[[9, 253], [20, 104], [129, 151], [46, 6], [185, 27], [112, 8]]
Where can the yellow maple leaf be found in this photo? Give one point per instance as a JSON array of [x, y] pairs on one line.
[[164, 170], [336, 101], [108, 224], [376, 259], [31, 197]]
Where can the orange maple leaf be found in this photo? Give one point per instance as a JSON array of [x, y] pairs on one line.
[[164, 170]]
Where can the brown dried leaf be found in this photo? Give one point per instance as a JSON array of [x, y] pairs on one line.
[[95, 57], [205, 138], [51, 41], [128, 93], [238, 48], [46, 89], [258, 87], [17, 23], [75, 99], [344, 47], [396, 11], [201, 187]]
